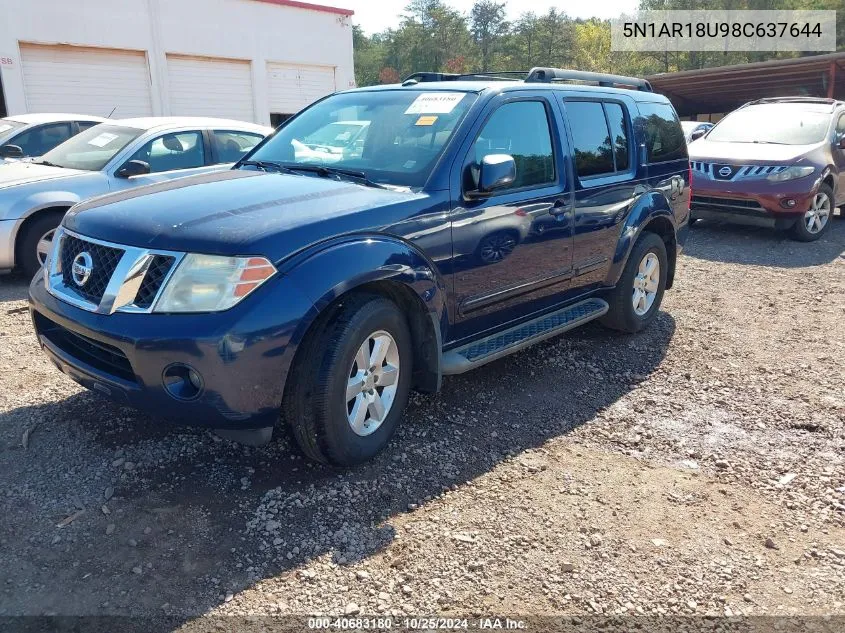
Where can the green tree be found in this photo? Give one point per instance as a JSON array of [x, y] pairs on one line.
[[488, 27]]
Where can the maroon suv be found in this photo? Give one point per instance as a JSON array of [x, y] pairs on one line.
[[773, 162]]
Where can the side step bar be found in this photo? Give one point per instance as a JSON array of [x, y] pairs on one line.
[[478, 353]]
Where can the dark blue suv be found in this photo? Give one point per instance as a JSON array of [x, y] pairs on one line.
[[381, 238]]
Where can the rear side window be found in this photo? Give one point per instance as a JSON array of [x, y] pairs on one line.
[[664, 136], [600, 137], [231, 146], [42, 139]]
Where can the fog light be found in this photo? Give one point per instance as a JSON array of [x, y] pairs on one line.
[[788, 203], [182, 381]]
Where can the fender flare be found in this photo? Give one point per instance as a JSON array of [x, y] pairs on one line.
[[331, 269], [650, 209]]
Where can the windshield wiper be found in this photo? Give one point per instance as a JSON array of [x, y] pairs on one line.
[[266, 165], [45, 162], [322, 170]]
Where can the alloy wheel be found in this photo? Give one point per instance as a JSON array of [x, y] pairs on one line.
[[373, 382], [45, 243], [817, 216], [646, 284]]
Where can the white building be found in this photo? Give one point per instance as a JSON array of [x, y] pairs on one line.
[[253, 60]]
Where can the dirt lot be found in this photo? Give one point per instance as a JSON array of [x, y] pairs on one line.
[[698, 467]]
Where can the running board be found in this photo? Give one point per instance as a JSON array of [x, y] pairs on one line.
[[478, 353]]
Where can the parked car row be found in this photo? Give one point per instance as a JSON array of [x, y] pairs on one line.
[[101, 158], [382, 238], [777, 163]]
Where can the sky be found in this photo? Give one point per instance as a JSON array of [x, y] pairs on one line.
[[375, 16]]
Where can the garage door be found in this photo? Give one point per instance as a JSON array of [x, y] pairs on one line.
[[292, 87], [203, 86], [86, 80]]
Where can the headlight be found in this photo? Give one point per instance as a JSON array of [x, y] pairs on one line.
[[791, 173], [210, 283]]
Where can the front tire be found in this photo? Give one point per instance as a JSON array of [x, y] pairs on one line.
[[816, 221], [635, 300], [350, 383], [35, 240]]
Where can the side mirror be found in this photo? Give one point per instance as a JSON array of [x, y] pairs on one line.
[[133, 168], [697, 135], [842, 141], [11, 151], [496, 172]]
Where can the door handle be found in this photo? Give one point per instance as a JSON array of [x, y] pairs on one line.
[[559, 208]]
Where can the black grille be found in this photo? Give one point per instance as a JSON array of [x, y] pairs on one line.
[[156, 273], [102, 356], [104, 260], [707, 201]]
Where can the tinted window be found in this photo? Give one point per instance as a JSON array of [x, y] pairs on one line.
[[664, 136], [178, 150], [232, 146], [590, 137], [840, 126], [42, 139], [618, 134], [520, 129], [84, 125]]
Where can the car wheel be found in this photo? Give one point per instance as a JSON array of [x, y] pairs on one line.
[[635, 300], [34, 242], [816, 221], [346, 392]]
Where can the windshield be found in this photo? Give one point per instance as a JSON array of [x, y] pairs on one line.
[[92, 149], [393, 137], [7, 129], [782, 123]]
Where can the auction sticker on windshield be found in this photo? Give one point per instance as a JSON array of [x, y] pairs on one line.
[[435, 103], [102, 140]]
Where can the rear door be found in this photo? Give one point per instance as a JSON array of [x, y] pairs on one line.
[[605, 180], [512, 251]]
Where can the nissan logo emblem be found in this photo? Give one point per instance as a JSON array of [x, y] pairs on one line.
[[725, 171], [81, 269]]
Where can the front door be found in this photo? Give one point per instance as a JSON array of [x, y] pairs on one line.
[[171, 155], [512, 250], [839, 159]]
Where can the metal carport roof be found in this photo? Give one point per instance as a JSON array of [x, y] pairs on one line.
[[724, 88]]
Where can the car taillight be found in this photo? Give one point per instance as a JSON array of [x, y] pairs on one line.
[[689, 203]]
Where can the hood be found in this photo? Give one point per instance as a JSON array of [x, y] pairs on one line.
[[748, 153], [239, 212], [21, 173]]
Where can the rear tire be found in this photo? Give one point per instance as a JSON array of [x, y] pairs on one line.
[[339, 411], [27, 251], [635, 300], [816, 221]]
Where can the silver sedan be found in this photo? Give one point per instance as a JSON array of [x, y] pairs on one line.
[[109, 157]]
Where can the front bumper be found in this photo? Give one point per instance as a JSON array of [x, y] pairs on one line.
[[8, 233], [243, 354], [761, 205]]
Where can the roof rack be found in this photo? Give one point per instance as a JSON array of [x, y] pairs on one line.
[[822, 100], [535, 75]]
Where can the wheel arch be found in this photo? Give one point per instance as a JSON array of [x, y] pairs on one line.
[[26, 221], [654, 215], [382, 266]]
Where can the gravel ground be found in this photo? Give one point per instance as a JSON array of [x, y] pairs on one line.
[[696, 468]]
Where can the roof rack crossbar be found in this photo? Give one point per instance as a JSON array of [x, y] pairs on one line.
[[548, 75], [537, 75]]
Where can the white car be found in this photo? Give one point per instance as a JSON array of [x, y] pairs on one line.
[[25, 135], [109, 157]]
